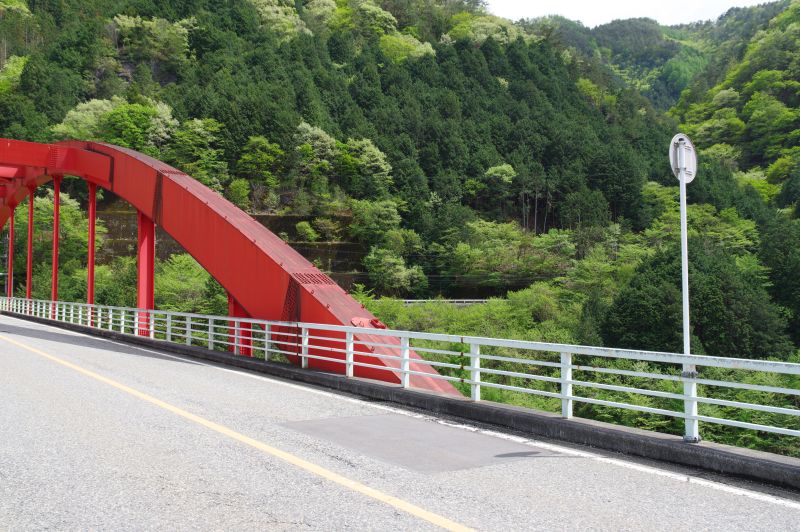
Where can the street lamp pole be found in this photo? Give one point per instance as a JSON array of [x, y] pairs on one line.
[[687, 350], [684, 165]]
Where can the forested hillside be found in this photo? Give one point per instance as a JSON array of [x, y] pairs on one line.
[[662, 61], [470, 155]]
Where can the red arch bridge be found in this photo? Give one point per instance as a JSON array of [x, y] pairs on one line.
[[263, 276], [276, 297]]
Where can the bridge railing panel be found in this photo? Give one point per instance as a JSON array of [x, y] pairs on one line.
[[581, 381]]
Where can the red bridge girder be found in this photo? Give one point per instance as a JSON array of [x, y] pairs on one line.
[[264, 276]]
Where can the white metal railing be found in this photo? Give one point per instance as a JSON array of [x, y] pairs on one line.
[[456, 302], [565, 374]]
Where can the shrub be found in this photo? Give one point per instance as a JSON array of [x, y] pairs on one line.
[[305, 232]]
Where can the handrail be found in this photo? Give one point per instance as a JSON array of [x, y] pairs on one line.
[[536, 368]]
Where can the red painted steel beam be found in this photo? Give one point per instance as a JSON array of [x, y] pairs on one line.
[[244, 331], [146, 251], [56, 235], [268, 279], [10, 270], [91, 246], [29, 262]]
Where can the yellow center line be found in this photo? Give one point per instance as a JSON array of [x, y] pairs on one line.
[[327, 474]]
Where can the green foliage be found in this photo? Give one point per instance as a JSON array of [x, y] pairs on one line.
[[260, 161], [280, 17], [390, 275], [399, 47], [180, 284], [755, 178], [754, 104], [499, 255], [372, 18], [306, 233], [731, 315], [11, 73], [84, 121], [155, 41], [18, 5], [328, 229], [318, 14], [479, 28], [194, 150], [585, 208], [238, 192], [128, 125], [372, 220], [363, 169], [784, 167], [315, 152]]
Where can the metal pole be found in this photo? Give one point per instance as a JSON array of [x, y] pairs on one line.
[[91, 250], [268, 341], [349, 354], [475, 372], [56, 230], [10, 271], [692, 429], [29, 272], [566, 385], [405, 353], [304, 349], [684, 249]]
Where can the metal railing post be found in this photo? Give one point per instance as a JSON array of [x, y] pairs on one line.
[[692, 425], [236, 347], [188, 330], [267, 340], [566, 385], [304, 349], [475, 372], [210, 334], [151, 321], [169, 327], [405, 354], [348, 357]]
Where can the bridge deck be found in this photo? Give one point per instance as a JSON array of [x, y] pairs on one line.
[[95, 434]]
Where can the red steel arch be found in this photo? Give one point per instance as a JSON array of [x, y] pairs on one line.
[[265, 278]]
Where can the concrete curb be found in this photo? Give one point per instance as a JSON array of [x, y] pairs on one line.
[[755, 465]]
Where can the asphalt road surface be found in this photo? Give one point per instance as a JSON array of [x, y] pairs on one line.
[[99, 435]]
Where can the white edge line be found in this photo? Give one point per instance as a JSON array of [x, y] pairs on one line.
[[763, 497]]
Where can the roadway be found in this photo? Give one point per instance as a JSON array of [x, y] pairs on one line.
[[95, 434]]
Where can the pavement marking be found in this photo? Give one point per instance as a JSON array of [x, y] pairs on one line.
[[679, 477], [315, 469]]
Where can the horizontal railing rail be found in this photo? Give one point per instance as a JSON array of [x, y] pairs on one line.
[[644, 381], [457, 302]]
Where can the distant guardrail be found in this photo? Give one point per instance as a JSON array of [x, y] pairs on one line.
[[458, 302], [566, 374]]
